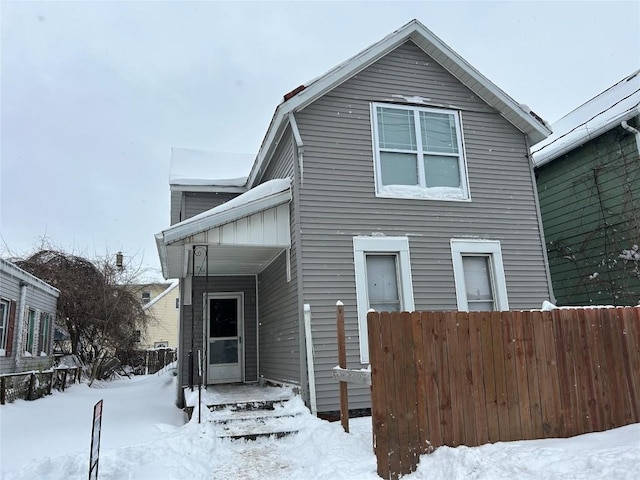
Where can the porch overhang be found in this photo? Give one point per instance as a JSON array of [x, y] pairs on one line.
[[239, 237]]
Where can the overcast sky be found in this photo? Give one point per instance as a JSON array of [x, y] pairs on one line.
[[94, 95]]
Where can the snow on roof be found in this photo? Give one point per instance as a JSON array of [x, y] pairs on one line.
[[607, 109], [198, 167], [15, 271], [257, 199], [155, 300]]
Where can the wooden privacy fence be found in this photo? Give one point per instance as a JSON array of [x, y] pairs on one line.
[[33, 385], [457, 378]]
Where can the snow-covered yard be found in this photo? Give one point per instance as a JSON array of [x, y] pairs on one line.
[[144, 436]]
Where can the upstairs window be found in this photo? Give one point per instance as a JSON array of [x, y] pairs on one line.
[[146, 297], [418, 153]]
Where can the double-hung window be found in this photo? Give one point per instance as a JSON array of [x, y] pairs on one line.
[[4, 324], [479, 275], [418, 152], [383, 280], [31, 330]]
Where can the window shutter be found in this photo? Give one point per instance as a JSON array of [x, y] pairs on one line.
[[12, 322]]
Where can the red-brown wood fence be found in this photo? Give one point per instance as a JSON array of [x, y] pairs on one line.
[[456, 378]]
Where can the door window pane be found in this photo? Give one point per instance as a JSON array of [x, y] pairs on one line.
[[399, 168], [478, 282], [382, 283], [223, 351], [223, 317], [396, 129]]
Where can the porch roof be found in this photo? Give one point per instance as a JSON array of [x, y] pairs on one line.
[[242, 236]]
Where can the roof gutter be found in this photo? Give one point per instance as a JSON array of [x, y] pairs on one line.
[[635, 131], [542, 157]]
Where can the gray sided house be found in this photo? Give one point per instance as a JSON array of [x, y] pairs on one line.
[[399, 180], [27, 320], [588, 175]]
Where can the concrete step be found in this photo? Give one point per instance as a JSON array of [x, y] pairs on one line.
[[278, 419]]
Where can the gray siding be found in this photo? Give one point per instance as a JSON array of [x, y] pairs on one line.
[[215, 284], [338, 202], [198, 202], [176, 207], [278, 301], [39, 300]]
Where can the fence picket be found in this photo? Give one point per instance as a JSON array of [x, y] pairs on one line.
[[454, 378], [433, 400]]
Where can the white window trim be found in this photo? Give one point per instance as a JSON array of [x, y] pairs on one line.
[[419, 192], [392, 245], [459, 247]]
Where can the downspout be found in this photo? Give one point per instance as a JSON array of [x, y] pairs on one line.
[[299, 144], [534, 184], [306, 337], [635, 131], [310, 364], [22, 306]]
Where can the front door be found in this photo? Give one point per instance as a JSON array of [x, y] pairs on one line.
[[224, 333]]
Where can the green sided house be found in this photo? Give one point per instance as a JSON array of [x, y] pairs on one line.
[[399, 180], [588, 175]]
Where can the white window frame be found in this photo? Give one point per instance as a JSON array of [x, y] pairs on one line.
[[362, 246], [420, 191], [492, 248]]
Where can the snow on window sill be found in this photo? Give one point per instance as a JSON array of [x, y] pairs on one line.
[[419, 193], [43, 354], [3, 352]]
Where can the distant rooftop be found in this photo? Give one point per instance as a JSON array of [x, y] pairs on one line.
[[591, 119]]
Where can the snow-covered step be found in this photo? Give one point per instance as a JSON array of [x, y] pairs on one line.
[[246, 427]]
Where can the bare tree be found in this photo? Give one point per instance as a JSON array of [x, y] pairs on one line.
[[96, 305]]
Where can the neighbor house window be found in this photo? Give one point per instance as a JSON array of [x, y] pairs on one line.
[[383, 280], [418, 153], [31, 330], [479, 275], [45, 332], [146, 297], [4, 324]]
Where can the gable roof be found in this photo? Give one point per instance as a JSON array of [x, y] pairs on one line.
[[15, 271], [518, 115], [159, 297], [616, 104]]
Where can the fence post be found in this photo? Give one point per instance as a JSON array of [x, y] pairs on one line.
[[3, 390], [32, 384], [342, 363]]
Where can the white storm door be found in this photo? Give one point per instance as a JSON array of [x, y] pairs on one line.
[[224, 333]]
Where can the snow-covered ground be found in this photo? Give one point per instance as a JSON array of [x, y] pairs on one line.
[[144, 436]]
